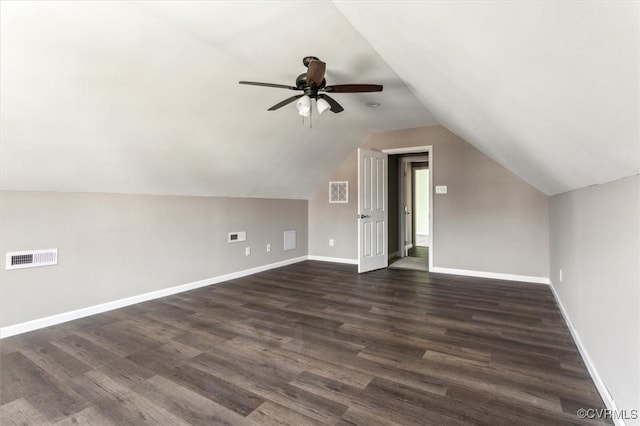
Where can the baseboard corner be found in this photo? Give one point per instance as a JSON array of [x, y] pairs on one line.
[[591, 367]]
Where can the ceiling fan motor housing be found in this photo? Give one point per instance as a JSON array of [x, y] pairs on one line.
[[309, 90]]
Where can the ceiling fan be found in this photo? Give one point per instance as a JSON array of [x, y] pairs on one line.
[[313, 85]]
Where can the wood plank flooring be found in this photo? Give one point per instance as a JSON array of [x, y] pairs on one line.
[[311, 343]]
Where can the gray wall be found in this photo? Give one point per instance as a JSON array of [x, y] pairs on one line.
[[595, 240], [335, 221], [115, 246], [490, 220]]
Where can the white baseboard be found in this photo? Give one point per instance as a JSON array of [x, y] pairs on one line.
[[593, 371], [333, 259], [24, 327], [493, 275]]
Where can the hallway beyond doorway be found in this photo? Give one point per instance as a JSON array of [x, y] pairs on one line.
[[419, 252], [417, 260]]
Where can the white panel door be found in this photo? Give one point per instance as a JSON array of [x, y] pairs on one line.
[[372, 210]]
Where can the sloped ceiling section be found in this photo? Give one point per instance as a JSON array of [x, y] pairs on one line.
[[548, 89], [143, 97]]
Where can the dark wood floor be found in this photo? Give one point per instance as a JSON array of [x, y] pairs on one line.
[[310, 343]]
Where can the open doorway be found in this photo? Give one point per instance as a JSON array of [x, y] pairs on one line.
[[413, 206]]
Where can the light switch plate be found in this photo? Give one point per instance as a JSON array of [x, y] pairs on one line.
[[441, 189]]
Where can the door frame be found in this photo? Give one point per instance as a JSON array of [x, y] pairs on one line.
[[428, 150], [404, 161], [414, 215]]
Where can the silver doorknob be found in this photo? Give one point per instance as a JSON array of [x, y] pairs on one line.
[[362, 216]]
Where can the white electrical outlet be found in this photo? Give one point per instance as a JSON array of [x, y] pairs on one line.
[[268, 248], [247, 251], [331, 242], [441, 189], [560, 274]]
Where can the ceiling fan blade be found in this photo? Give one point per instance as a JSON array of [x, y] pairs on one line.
[[335, 106], [279, 86], [315, 72], [285, 102], [353, 88]]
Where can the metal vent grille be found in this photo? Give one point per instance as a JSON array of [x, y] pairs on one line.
[[31, 258], [339, 192]]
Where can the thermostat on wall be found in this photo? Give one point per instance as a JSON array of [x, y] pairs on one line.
[[237, 236]]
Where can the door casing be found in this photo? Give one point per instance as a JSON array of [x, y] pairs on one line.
[[421, 152]]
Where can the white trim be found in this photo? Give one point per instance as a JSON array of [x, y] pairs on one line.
[[494, 275], [402, 217], [593, 371], [432, 240], [407, 150], [333, 259], [24, 327]]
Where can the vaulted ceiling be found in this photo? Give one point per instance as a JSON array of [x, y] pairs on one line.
[[143, 97]]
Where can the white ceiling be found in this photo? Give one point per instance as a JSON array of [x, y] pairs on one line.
[[548, 89], [142, 97]]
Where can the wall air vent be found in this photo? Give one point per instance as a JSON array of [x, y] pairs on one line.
[[339, 192], [31, 258], [290, 240]]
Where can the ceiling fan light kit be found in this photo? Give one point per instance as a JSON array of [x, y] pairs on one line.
[[314, 86], [304, 106], [322, 105]]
